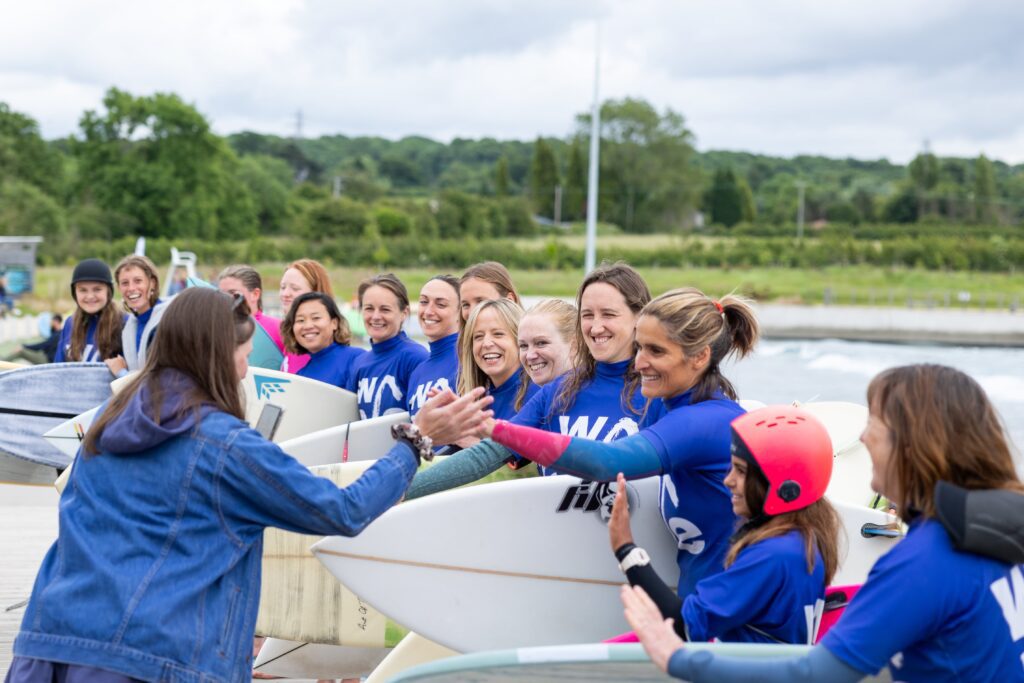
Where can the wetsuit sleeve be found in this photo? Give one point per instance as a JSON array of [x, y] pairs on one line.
[[701, 666], [634, 456], [65, 338], [663, 596], [464, 467], [259, 481]]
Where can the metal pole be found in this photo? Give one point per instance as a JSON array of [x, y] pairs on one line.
[[595, 147]]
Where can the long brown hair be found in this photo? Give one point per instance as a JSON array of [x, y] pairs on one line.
[[146, 266], [943, 428], [694, 321], [342, 335], [818, 523], [109, 322], [195, 340], [634, 290]]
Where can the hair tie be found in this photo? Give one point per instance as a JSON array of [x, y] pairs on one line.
[[718, 306]]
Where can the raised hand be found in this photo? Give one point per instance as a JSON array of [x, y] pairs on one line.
[[656, 633], [447, 418]]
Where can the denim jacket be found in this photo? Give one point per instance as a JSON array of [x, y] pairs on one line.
[[156, 570]]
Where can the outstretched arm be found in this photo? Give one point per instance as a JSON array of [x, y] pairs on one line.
[[464, 467], [694, 664], [634, 456]]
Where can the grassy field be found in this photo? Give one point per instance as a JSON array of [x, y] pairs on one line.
[[848, 285]]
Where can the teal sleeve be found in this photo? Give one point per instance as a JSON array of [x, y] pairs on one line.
[[465, 467], [701, 666]]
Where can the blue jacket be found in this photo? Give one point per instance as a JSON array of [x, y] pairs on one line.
[[156, 571]]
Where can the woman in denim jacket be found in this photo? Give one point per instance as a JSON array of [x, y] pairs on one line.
[[156, 572]]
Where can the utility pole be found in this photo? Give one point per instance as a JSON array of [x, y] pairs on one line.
[[558, 204], [595, 149], [800, 185]]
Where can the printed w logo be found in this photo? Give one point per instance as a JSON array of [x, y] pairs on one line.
[[268, 386]]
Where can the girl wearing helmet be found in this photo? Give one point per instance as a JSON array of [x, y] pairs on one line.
[[783, 555], [93, 332], [681, 337], [947, 602]]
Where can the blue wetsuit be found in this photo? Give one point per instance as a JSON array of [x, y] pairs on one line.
[[439, 371], [90, 354], [332, 364], [380, 378], [596, 412], [505, 396], [762, 597]]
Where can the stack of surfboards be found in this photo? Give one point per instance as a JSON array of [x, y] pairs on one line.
[[34, 400]]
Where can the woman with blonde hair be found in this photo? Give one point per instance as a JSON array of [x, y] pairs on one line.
[[947, 598], [489, 356]]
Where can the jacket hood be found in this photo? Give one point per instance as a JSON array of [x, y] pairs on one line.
[[136, 430], [989, 523]]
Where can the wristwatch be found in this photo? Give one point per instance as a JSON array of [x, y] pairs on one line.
[[411, 434], [637, 557]]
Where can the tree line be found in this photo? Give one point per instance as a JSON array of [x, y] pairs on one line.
[[152, 166]]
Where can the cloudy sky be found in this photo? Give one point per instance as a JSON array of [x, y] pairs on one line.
[[866, 78]]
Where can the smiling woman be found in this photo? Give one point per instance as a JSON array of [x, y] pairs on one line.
[[93, 332], [314, 325]]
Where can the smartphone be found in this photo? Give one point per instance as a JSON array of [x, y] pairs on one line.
[[269, 420]]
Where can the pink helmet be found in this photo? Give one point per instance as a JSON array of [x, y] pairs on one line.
[[793, 450]]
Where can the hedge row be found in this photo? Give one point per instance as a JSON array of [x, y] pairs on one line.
[[938, 253]]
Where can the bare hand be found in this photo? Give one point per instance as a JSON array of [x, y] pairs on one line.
[[116, 365], [446, 418], [656, 634], [618, 525]]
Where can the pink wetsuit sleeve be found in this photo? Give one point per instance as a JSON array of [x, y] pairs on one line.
[[542, 447]]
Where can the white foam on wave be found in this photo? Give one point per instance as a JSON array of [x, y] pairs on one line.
[[1003, 388], [839, 362]]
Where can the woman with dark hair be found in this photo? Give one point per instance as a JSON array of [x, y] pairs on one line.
[[782, 556], [439, 319], [381, 377], [314, 325], [93, 332], [945, 603], [245, 280], [156, 572], [300, 277], [681, 338], [139, 284]]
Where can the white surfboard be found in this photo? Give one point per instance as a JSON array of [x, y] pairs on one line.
[[309, 405], [412, 651], [851, 467], [591, 662], [311, 660], [67, 436], [350, 442], [521, 563]]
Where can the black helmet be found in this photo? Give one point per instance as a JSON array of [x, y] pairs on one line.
[[91, 270]]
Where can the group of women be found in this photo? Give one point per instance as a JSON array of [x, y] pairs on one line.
[[620, 386]]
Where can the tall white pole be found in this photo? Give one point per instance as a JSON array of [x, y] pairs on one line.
[[595, 148]]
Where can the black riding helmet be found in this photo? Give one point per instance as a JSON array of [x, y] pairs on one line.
[[91, 270]]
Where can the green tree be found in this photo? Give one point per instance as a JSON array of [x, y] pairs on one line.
[[262, 175], [27, 210], [24, 154], [155, 160], [502, 180], [984, 190], [336, 217], [748, 209], [724, 201], [574, 202], [544, 178], [647, 181], [924, 173]]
